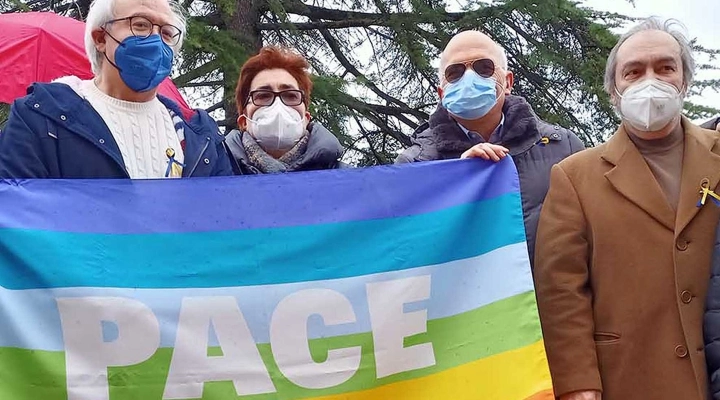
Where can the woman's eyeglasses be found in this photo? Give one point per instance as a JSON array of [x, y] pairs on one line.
[[264, 97]]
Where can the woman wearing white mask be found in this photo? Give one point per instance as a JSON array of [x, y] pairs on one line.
[[276, 134]]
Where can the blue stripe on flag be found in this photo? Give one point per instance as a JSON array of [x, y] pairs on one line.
[[250, 202]]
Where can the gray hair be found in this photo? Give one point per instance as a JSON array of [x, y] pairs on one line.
[[671, 26], [503, 62], [102, 11]]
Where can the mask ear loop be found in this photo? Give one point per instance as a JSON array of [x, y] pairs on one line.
[[105, 53], [617, 92]]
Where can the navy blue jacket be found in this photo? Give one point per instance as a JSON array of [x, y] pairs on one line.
[[54, 133], [711, 324]]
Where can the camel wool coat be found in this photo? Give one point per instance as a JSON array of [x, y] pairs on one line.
[[621, 278]]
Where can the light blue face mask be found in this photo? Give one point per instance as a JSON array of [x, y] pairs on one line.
[[470, 98]]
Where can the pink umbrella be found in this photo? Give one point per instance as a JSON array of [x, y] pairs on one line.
[[43, 46]]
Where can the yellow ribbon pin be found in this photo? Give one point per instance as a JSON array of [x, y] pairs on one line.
[[175, 167], [705, 192]]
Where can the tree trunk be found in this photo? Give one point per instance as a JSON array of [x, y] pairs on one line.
[[243, 25]]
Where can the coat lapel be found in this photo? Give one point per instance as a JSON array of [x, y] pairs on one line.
[[700, 165], [632, 177]]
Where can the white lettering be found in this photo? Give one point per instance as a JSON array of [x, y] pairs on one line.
[[390, 325], [191, 367], [87, 354], [289, 339]]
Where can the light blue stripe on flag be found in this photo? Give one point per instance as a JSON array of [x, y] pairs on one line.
[[456, 287]]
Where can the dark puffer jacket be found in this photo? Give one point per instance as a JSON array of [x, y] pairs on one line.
[[441, 138], [323, 152]]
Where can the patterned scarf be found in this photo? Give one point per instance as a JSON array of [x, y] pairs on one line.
[[267, 164]]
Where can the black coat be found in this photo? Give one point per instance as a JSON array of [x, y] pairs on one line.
[[441, 138]]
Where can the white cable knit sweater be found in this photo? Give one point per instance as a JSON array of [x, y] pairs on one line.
[[143, 131]]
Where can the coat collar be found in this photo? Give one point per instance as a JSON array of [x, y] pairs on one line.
[[519, 131], [632, 177]]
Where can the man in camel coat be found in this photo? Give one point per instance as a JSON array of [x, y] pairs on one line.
[[623, 249]]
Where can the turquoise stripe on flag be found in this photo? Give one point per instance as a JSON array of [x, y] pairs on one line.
[[44, 259]]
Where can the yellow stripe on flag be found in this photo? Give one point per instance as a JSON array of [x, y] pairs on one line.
[[518, 374]]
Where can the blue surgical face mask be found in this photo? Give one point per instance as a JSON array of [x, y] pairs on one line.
[[143, 63], [470, 98]]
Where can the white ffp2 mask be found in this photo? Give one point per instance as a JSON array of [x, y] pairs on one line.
[[276, 127], [650, 105]]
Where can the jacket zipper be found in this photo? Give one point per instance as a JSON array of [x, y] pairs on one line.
[[197, 162]]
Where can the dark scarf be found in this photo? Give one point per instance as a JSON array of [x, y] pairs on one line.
[[267, 164]]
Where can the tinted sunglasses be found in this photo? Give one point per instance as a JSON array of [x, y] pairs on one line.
[[484, 67]]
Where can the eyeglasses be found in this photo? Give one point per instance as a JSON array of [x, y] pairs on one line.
[[143, 27], [484, 67], [264, 97]]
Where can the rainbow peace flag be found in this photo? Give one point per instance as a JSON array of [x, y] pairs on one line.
[[401, 282]]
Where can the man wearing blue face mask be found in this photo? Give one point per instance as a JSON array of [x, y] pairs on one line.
[[478, 117], [115, 125]]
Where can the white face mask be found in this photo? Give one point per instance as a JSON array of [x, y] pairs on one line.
[[650, 105], [276, 127]]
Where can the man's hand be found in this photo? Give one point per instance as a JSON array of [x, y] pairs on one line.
[[486, 151], [583, 395]]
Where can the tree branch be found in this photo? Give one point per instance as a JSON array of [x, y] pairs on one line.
[[227, 122], [345, 62], [215, 106], [203, 84], [321, 13], [213, 19], [366, 135], [370, 112], [208, 67], [311, 26]]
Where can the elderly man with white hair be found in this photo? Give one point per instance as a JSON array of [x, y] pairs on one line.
[[114, 125], [478, 117], [626, 233]]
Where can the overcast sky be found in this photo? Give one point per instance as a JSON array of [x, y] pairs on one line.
[[701, 17]]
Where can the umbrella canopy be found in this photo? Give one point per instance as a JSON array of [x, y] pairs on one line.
[[43, 46]]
